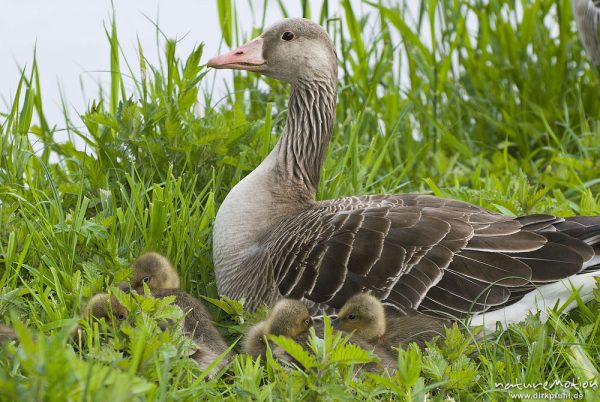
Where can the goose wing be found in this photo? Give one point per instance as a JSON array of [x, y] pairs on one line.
[[421, 252]]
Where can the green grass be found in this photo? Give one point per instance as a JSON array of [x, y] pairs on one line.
[[506, 116]]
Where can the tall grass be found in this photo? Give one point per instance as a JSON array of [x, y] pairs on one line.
[[489, 102]]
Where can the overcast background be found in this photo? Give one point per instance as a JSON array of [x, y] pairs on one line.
[[73, 51]]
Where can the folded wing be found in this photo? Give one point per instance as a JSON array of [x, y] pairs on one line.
[[426, 253]]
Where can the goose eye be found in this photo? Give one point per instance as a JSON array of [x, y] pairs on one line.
[[146, 279], [121, 317], [307, 322], [351, 316], [287, 36]]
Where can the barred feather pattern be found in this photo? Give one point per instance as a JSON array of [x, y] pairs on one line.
[[587, 19], [418, 252], [311, 112]]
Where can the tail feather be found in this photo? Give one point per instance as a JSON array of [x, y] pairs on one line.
[[586, 229], [541, 299]]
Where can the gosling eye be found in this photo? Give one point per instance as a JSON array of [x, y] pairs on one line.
[[352, 316], [121, 317], [146, 279], [308, 321], [287, 36]]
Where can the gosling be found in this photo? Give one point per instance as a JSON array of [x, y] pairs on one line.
[[161, 278], [365, 315], [288, 317]]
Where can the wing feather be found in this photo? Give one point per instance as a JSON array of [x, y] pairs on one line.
[[515, 242], [424, 253]]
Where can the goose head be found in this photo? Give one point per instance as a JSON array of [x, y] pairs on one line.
[[292, 50], [289, 318], [102, 305], [364, 314], [154, 270]]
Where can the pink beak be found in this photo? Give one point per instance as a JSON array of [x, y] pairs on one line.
[[246, 57]]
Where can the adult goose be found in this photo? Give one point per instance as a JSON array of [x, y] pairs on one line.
[[272, 239], [587, 18]]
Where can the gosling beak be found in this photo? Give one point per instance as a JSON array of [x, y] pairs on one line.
[[246, 57], [335, 323]]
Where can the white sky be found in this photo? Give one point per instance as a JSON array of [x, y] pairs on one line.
[[73, 51]]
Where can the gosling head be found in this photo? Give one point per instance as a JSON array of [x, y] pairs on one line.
[[289, 318], [154, 270], [102, 305], [292, 50], [364, 314]]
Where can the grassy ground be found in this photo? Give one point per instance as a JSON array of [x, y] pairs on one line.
[[502, 112]]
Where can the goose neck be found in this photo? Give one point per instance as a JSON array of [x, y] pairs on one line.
[[301, 149]]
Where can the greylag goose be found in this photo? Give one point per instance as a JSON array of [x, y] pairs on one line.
[[157, 272], [272, 239], [587, 18], [364, 315], [288, 317]]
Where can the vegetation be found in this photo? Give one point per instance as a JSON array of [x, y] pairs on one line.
[[499, 108]]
